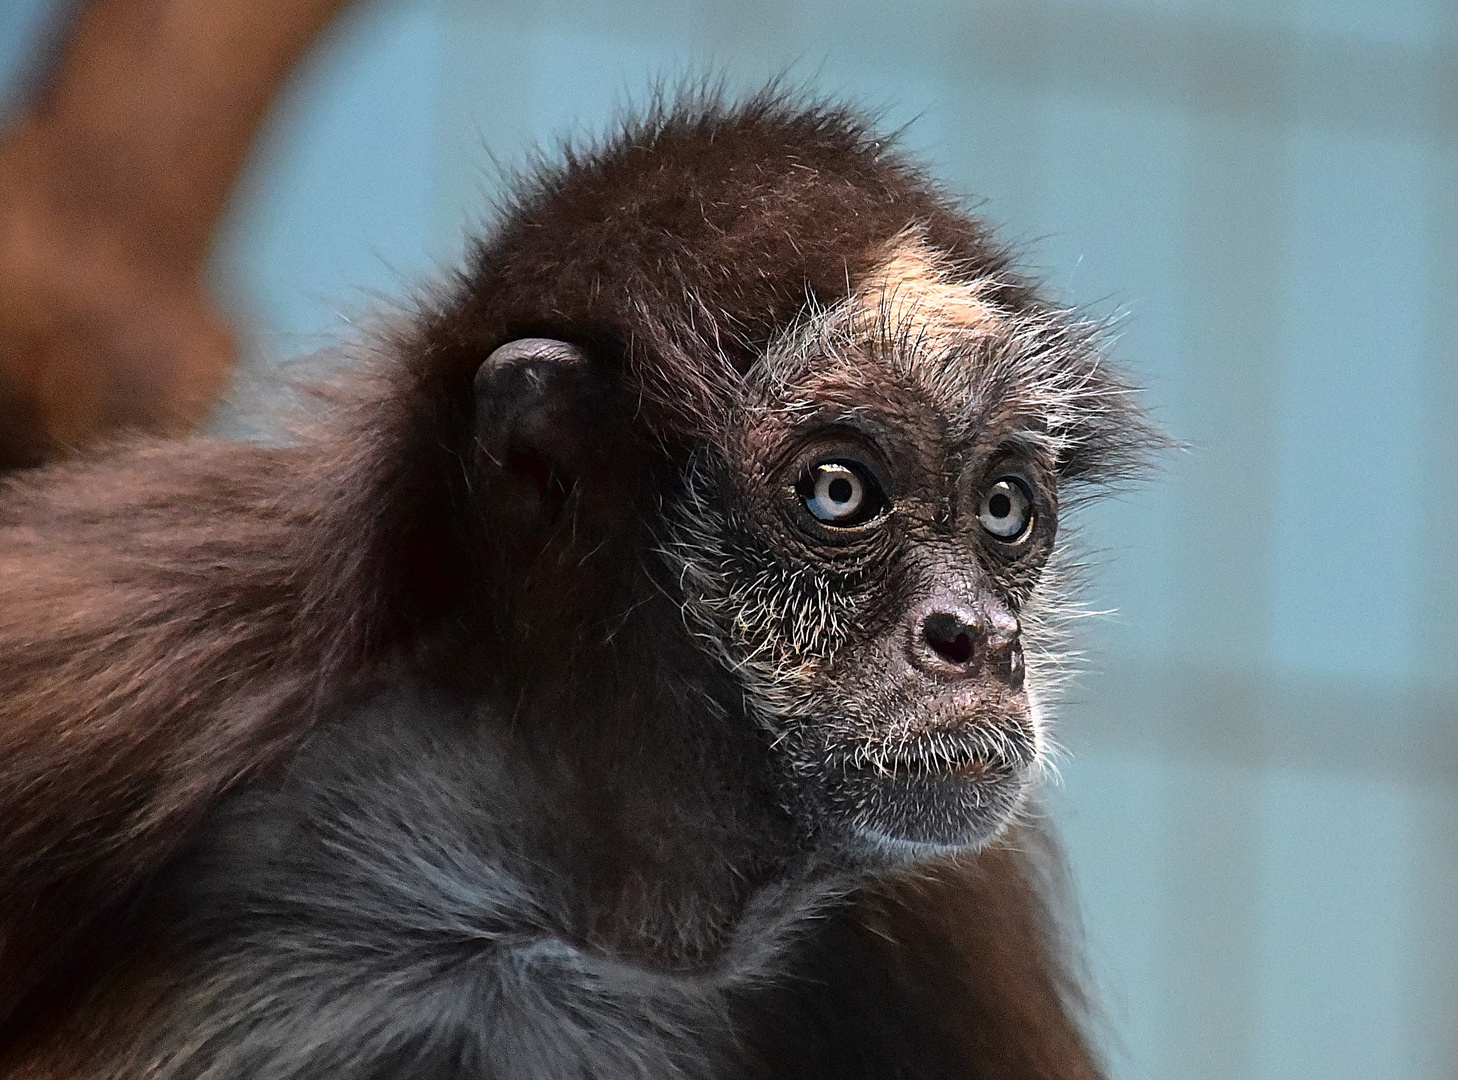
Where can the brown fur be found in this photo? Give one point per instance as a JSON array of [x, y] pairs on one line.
[[175, 617], [115, 178]]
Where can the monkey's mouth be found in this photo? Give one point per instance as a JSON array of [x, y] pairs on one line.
[[945, 788], [980, 752]]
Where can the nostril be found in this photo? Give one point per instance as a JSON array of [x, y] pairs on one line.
[[949, 637], [958, 650]]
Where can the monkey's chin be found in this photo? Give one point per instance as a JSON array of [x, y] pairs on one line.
[[916, 817], [921, 808]]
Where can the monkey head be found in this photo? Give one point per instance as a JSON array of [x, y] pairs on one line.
[[871, 426]]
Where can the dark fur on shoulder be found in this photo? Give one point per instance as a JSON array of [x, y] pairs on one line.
[[398, 752]]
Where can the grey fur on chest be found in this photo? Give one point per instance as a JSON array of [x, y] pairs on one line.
[[373, 914]]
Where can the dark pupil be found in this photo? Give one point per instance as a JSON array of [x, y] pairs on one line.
[[1000, 505], [840, 490]]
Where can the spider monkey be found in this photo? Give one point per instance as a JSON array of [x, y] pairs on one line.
[[639, 672]]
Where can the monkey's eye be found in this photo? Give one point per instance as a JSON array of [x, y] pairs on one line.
[[840, 493], [1007, 509]]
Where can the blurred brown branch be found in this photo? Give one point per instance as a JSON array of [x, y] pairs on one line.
[[111, 185]]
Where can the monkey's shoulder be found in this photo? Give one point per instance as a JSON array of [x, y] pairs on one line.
[[370, 912]]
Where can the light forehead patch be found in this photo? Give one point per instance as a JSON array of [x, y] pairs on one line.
[[910, 316], [913, 290]]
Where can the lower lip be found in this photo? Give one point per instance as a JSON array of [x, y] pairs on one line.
[[982, 769], [974, 767]]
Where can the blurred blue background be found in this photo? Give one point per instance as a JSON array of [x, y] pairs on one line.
[[1261, 799]]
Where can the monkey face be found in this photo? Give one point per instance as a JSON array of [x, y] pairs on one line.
[[892, 503], [919, 717], [858, 523]]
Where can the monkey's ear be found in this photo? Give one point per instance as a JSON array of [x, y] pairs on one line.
[[542, 416]]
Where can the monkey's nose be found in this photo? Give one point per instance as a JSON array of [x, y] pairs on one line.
[[952, 640]]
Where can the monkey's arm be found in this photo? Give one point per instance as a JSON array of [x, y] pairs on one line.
[[954, 973], [978, 947], [156, 643], [114, 179]]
